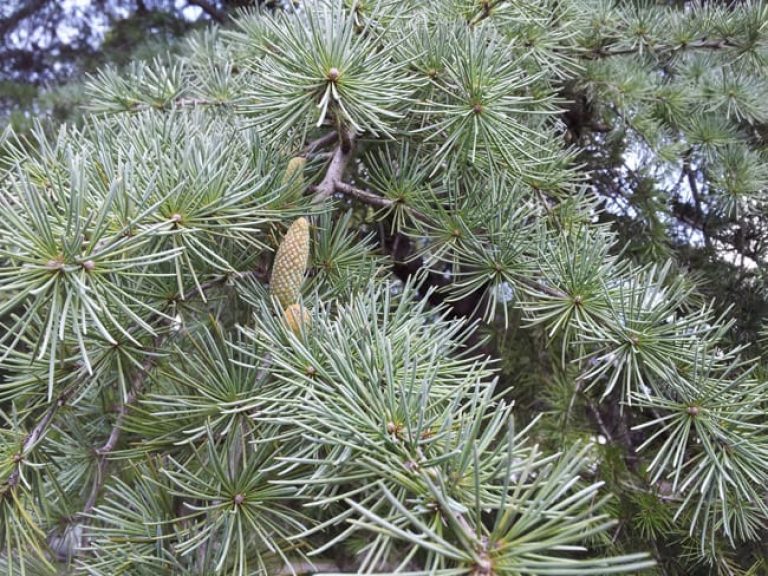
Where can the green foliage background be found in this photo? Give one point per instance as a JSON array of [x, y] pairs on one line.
[[535, 294]]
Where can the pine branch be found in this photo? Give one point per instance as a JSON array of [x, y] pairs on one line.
[[210, 9], [36, 435], [321, 142], [416, 99], [177, 104], [102, 452], [486, 11], [363, 196], [381, 202], [137, 385], [136, 388], [341, 157], [594, 410], [703, 44]]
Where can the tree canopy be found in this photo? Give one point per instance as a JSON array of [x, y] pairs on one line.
[[48, 45], [45, 40], [396, 287]]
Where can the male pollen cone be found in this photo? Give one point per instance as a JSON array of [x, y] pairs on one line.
[[290, 264], [293, 177], [297, 316]]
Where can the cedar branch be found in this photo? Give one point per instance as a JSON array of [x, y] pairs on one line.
[[136, 388], [342, 154], [210, 9]]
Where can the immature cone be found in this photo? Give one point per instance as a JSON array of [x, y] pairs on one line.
[[294, 178], [290, 264], [297, 316]]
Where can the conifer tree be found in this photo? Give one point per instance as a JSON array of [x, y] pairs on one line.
[[394, 287]]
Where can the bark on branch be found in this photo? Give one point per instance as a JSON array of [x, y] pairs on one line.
[[598, 53], [322, 142], [37, 434], [342, 154], [367, 197], [210, 9], [135, 390]]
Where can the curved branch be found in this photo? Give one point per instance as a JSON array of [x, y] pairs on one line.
[[343, 153], [36, 435], [322, 142], [210, 9], [136, 388]]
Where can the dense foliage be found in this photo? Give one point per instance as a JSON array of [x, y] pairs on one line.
[[396, 287]]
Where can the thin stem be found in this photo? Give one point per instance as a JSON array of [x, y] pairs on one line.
[[365, 197], [308, 568], [137, 385], [135, 390], [598, 53], [595, 412], [177, 104], [37, 434], [694, 187], [485, 11], [315, 145]]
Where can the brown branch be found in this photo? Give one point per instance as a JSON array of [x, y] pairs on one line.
[[175, 104], [210, 9], [543, 288], [341, 156], [485, 11], [322, 142], [192, 102], [702, 44], [135, 390], [365, 197], [381, 202], [103, 451], [98, 482], [595, 412], [36, 435], [137, 385], [378, 201]]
